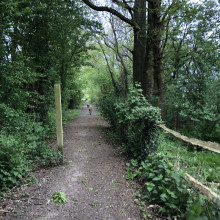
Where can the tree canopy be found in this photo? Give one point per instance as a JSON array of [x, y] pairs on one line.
[[177, 65]]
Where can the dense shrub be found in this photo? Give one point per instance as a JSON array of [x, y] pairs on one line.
[[107, 107], [134, 120], [12, 161], [22, 143]]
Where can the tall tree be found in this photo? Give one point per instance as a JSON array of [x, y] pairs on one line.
[[137, 19], [148, 43], [192, 70], [41, 43]]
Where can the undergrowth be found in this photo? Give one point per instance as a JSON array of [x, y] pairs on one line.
[[133, 121], [24, 142], [204, 165], [70, 114], [163, 186]]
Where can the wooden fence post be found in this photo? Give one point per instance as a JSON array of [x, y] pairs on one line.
[[59, 119]]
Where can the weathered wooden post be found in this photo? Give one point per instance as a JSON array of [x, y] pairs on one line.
[[59, 119]]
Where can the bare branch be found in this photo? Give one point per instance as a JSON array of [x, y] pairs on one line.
[[131, 51], [110, 10], [119, 55], [167, 33], [108, 45], [125, 4], [109, 69]]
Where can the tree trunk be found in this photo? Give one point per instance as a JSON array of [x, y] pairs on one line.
[[139, 43], [159, 85], [149, 59], [138, 22], [176, 119]]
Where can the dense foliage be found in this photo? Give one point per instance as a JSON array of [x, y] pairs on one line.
[[134, 120], [183, 48], [174, 56], [41, 43], [22, 143], [168, 190], [192, 71], [202, 164]]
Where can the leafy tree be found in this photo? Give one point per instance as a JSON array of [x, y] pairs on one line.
[[192, 71], [148, 43], [97, 82], [41, 42], [137, 12]]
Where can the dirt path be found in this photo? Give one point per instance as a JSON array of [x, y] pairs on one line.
[[93, 179]]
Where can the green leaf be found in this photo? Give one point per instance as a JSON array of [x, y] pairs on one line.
[[150, 186], [158, 178], [59, 197]]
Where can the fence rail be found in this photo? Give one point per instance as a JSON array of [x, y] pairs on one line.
[[199, 186], [215, 147], [203, 189]]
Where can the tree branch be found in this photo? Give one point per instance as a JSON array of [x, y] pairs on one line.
[[109, 69], [130, 50], [124, 3], [110, 10], [117, 49], [167, 11], [130, 9], [167, 33]]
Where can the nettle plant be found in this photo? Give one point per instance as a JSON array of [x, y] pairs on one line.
[[161, 185], [165, 187]]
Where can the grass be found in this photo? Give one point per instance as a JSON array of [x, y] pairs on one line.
[[84, 182], [94, 204], [116, 181], [70, 115], [204, 165]]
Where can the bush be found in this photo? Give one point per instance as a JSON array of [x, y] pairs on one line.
[[134, 120], [12, 161], [25, 146], [107, 107]]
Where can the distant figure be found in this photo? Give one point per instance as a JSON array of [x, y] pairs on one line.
[[87, 106], [90, 110]]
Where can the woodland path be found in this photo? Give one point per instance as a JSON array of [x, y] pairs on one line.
[[92, 178]]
